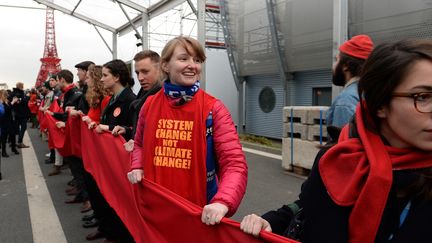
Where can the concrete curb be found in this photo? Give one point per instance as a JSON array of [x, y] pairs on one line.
[[261, 148]]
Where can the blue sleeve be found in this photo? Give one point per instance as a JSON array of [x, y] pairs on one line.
[[342, 114], [1, 110]]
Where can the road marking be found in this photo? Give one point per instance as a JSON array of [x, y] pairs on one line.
[[270, 155], [45, 223]]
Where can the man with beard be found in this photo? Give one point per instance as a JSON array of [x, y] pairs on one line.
[[346, 72]]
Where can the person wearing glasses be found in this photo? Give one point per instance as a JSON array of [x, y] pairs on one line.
[[375, 184]]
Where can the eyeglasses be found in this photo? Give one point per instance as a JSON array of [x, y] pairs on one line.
[[422, 100]]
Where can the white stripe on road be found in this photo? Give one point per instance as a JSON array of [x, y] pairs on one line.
[[45, 223], [270, 155]]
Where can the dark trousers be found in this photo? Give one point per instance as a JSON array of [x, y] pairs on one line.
[[52, 155], [21, 127], [77, 169], [0, 158], [93, 193], [110, 223], [8, 132], [34, 121]]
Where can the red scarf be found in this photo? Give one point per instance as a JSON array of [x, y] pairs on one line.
[[358, 172], [65, 90]]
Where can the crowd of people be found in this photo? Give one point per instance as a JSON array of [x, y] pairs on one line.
[[170, 91], [372, 182], [17, 106]]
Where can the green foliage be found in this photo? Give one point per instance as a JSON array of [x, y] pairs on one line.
[[256, 139]]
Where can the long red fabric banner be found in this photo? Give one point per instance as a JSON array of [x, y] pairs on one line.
[[150, 212]]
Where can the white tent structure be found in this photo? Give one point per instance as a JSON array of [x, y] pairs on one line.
[[121, 17]]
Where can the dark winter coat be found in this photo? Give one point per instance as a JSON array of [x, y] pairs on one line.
[[117, 112], [137, 104], [71, 98], [325, 221], [8, 119], [21, 107], [83, 105]]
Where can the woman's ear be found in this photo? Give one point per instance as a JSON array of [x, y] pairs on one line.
[[116, 78], [382, 112], [164, 66]]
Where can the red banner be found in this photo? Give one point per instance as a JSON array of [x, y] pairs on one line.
[[54, 107], [73, 135], [42, 121], [150, 212], [56, 136], [171, 218]]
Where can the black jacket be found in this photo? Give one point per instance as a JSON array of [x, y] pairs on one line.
[[8, 119], [71, 98], [137, 104], [83, 105], [117, 112], [20, 108], [325, 221]]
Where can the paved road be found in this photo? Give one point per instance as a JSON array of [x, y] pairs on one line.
[[23, 197]]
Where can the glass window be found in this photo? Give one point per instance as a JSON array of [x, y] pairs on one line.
[[267, 99], [321, 96]]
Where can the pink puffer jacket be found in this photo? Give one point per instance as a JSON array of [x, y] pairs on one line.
[[232, 167]]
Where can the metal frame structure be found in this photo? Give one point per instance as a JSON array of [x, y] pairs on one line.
[[340, 33], [238, 80], [228, 44], [278, 49], [141, 20], [214, 32]]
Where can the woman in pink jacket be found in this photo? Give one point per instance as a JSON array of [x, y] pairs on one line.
[[186, 140]]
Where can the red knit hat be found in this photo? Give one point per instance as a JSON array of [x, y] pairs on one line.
[[359, 46]]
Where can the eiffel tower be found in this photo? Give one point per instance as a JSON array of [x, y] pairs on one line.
[[50, 61]]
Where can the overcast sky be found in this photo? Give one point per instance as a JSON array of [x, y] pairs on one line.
[[22, 41]]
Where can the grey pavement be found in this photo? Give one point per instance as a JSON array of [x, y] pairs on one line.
[[268, 188]]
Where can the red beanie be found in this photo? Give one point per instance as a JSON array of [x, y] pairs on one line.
[[359, 46]]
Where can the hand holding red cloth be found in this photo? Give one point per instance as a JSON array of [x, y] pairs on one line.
[[56, 138], [151, 212], [169, 217]]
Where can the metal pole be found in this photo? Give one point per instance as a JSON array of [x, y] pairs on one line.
[[114, 45], [103, 39], [292, 138], [321, 126], [228, 44], [145, 33], [340, 33], [202, 36], [76, 6], [278, 48], [137, 34]]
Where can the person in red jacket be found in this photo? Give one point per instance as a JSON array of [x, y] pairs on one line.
[[33, 106], [186, 140]]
